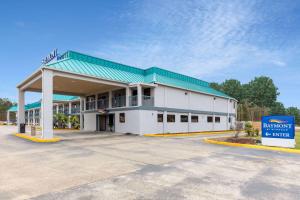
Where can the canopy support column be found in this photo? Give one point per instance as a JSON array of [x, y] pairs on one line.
[[21, 111], [47, 104]]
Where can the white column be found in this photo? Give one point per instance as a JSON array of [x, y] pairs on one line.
[[57, 107], [81, 103], [139, 94], [8, 117], [96, 101], [21, 111], [33, 117], [28, 117], [110, 99], [47, 104], [127, 96], [70, 112]]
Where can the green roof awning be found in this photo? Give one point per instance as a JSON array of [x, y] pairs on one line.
[[88, 65], [56, 98]]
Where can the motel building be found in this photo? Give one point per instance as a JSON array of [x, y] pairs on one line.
[[124, 99], [68, 105]]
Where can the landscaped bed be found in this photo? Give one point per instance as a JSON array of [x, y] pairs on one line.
[[251, 140], [241, 140]]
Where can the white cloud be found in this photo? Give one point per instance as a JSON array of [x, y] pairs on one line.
[[192, 37], [279, 63]]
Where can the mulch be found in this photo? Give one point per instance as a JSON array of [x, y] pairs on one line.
[[240, 140]]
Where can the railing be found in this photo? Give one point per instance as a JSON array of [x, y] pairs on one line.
[[148, 101], [91, 105], [133, 101], [66, 111], [75, 110], [102, 103], [118, 101]]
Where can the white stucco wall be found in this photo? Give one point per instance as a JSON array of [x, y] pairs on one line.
[[182, 99], [90, 121], [145, 121], [132, 122], [149, 123]]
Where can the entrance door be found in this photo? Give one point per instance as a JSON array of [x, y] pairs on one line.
[[111, 122], [101, 122]]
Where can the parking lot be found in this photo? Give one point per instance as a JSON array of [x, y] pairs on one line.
[[135, 167]]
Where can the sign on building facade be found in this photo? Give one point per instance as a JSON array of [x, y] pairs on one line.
[[278, 131]]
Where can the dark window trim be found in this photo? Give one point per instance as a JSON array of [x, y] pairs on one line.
[[172, 117], [210, 117], [193, 116], [162, 118], [120, 118], [183, 121]]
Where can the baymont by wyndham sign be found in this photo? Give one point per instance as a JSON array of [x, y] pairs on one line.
[[278, 131]]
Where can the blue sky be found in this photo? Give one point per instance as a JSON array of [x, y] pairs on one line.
[[210, 40]]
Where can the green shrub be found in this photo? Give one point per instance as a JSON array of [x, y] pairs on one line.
[[248, 128], [256, 132], [74, 120], [61, 120]]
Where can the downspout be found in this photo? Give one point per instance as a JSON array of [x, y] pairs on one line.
[[227, 114], [214, 99]]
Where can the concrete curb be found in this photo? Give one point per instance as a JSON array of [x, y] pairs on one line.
[[39, 140], [252, 146], [188, 134]]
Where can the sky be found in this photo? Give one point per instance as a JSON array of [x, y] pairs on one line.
[[209, 40]]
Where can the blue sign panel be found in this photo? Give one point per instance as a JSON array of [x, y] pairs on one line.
[[278, 127]]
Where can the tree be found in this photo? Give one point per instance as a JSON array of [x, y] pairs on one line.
[[60, 120], [277, 109], [233, 88], [262, 91], [5, 104], [294, 111], [216, 86], [74, 120]]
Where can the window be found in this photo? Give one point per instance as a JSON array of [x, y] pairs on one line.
[[147, 92], [184, 118], [170, 118], [217, 119], [122, 117], [194, 118], [209, 119], [160, 118], [229, 119], [234, 105]]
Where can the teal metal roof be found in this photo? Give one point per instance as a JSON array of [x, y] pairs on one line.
[[13, 109], [33, 105], [88, 65], [56, 97]]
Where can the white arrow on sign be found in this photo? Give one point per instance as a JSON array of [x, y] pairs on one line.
[[267, 134]]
